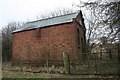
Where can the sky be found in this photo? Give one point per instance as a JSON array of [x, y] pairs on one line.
[[27, 10]]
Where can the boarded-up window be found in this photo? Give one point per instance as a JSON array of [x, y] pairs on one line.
[[78, 37], [82, 43], [38, 32]]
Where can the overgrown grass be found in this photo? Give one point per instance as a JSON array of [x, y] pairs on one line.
[[21, 74], [101, 67], [18, 74]]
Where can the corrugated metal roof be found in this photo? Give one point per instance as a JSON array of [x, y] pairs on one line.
[[48, 22]]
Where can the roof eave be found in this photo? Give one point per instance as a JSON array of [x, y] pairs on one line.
[[40, 27]]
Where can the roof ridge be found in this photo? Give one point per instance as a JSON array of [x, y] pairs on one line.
[[51, 17]]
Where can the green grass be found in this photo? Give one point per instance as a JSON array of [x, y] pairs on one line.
[[14, 74], [21, 74]]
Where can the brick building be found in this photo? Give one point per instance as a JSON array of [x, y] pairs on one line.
[[49, 38]]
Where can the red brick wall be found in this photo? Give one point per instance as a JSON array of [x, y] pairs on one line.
[[53, 41]]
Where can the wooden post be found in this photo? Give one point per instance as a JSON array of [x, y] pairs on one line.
[[110, 54], [101, 54], [47, 63], [47, 60], [118, 60], [20, 64], [66, 63], [95, 57]]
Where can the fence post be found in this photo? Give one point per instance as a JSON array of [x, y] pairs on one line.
[[101, 54], [95, 57], [118, 60], [47, 63], [20, 64], [66, 63], [110, 54]]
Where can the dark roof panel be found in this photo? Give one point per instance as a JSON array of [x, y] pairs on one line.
[[48, 22]]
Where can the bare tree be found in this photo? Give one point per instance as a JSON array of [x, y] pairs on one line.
[[102, 20], [7, 40], [107, 14], [55, 13]]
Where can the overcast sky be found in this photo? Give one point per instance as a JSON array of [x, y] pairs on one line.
[[27, 10]]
